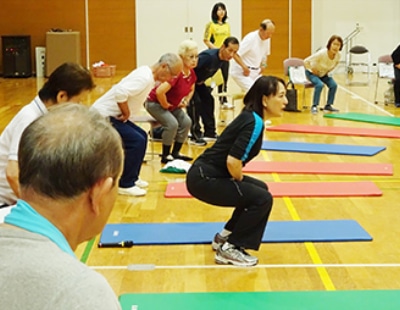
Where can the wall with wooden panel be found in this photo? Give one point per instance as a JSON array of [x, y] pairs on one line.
[[112, 26], [36, 17]]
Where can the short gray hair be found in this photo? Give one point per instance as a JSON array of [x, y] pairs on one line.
[[68, 150], [170, 59]]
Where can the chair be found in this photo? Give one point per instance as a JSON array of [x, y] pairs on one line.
[[214, 82], [152, 122], [297, 63], [358, 51], [385, 70]]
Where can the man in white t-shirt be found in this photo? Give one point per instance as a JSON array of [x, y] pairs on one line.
[[69, 82], [123, 101], [251, 58]]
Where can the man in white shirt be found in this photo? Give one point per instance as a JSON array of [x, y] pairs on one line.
[[124, 100], [69, 82], [251, 58]]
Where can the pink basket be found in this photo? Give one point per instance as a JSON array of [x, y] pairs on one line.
[[104, 71]]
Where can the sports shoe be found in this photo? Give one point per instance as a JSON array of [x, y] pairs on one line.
[[218, 241], [167, 159], [329, 108], [198, 142], [210, 138], [132, 191], [142, 184], [234, 256], [182, 157], [227, 106], [314, 109]]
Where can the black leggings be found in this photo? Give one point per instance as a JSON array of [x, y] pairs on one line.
[[250, 198]]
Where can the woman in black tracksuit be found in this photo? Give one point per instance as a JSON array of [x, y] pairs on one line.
[[216, 176], [396, 63]]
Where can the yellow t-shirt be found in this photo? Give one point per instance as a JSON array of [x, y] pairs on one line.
[[218, 32]]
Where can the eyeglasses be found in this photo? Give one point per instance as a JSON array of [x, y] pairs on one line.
[[192, 57]]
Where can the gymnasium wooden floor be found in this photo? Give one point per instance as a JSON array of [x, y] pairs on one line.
[[282, 267]]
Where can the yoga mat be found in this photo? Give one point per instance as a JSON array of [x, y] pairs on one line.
[[298, 189], [367, 118], [319, 168], [203, 233], [334, 130], [311, 300], [321, 148]]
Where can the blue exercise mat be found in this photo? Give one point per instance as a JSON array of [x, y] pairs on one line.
[[343, 149], [202, 233]]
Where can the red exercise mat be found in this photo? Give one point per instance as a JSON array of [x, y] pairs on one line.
[[299, 189], [319, 168], [334, 130]]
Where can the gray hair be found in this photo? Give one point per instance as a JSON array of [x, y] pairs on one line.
[[185, 46], [68, 150], [170, 59]]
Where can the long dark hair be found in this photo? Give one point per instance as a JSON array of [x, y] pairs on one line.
[[214, 15], [263, 86]]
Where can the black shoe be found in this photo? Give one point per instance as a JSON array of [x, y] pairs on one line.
[[182, 157], [329, 108], [397, 104]]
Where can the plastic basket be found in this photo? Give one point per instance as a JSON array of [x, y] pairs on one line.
[[104, 71]]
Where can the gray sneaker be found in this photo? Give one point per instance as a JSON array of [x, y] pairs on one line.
[[235, 256], [218, 241]]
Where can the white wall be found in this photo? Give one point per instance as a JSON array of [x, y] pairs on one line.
[[379, 21]]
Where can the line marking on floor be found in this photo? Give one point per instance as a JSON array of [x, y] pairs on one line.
[[259, 266], [312, 251]]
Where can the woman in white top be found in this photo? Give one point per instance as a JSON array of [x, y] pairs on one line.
[[318, 65]]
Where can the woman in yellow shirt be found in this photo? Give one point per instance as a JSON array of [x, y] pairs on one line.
[[215, 33]]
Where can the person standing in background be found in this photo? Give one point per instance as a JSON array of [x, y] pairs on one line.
[[396, 63], [318, 66], [215, 33], [251, 59]]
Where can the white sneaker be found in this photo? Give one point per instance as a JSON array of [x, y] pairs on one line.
[[141, 183], [132, 191], [227, 106]]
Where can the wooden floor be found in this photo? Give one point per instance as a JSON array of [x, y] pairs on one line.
[[282, 267]]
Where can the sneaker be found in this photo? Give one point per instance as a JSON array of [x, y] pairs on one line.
[[182, 157], [329, 108], [234, 256], [227, 106], [210, 138], [141, 183], [167, 159], [314, 109], [267, 123], [132, 191], [198, 142], [218, 241]]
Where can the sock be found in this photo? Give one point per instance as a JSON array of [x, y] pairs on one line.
[[225, 233], [176, 149]]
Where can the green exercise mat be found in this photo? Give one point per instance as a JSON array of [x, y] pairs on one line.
[[367, 118], [311, 300]]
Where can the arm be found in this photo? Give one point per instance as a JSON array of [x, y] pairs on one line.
[[207, 36], [125, 112], [161, 93], [12, 174], [185, 100], [238, 59], [235, 166]]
